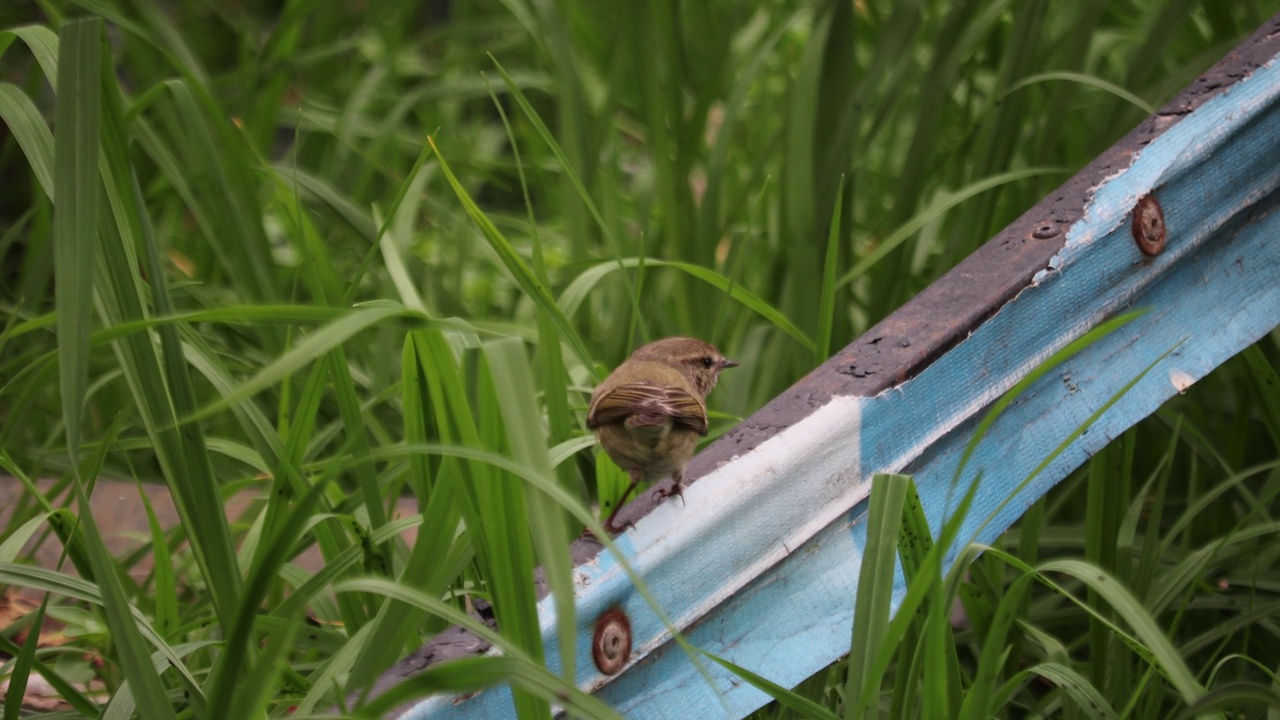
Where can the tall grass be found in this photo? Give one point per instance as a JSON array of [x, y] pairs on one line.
[[336, 254]]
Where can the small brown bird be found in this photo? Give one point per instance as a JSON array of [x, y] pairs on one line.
[[649, 413]]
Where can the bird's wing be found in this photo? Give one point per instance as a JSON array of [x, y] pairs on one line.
[[640, 404]]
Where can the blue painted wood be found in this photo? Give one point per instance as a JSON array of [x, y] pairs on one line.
[[760, 566]]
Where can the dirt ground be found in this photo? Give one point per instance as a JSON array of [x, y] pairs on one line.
[[122, 519]]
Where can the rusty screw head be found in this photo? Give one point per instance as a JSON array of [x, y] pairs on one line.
[[1149, 231], [611, 644]]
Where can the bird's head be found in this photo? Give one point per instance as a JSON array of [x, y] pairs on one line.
[[698, 361]]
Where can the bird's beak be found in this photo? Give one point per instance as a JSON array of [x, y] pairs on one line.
[[728, 364]]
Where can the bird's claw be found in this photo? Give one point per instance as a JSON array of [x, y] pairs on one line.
[[676, 489], [614, 529]]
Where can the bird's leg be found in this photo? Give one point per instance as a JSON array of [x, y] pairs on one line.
[[636, 476], [677, 487]]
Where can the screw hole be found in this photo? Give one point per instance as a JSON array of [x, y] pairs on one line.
[[1045, 230]]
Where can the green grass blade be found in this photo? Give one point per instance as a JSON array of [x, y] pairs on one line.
[[306, 352], [238, 658], [915, 541], [551, 365], [571, 174], [29, 129], [1076, 687], [1231, 699], [83, 590], [433, 397], [476, 673], [506, 547], [1084, 80], [23, 663], [515, 265], [587, 705], [357, 219], [161, 386], [166, 586], [224, 191], [799, 185], [565, 500], [1148, 633], [15, 540], [875, 590], [43, 44], [288, 483], [793, 701], [1083, 427], [65, 689], [576, 293], [1267, 383], [980, 696], [76, 216], [918, 593], [513, 383], [933, 212], [1046, 366], [1108, 492], [827, 301]]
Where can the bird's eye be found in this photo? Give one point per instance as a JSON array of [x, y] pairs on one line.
[[707, 362]]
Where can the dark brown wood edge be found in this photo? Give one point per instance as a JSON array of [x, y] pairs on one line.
[[927, 326]]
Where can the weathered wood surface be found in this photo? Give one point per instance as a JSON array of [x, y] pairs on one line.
[[760, 565]]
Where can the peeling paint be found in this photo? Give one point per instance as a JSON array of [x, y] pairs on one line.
[[1181, 381]]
